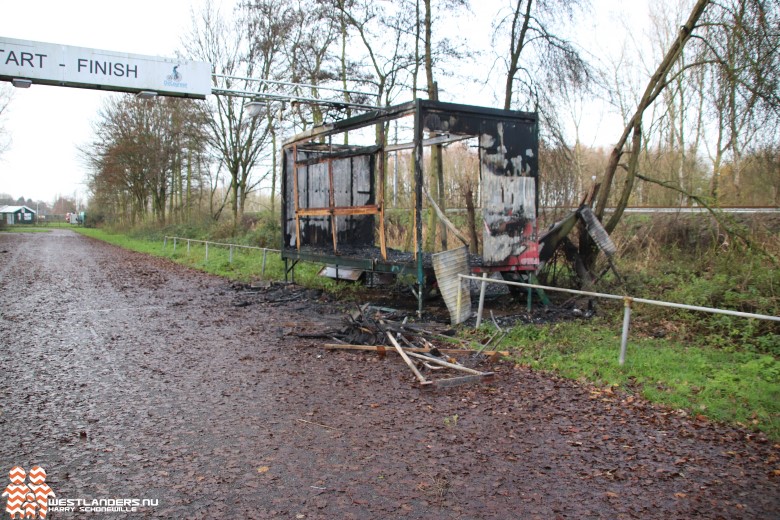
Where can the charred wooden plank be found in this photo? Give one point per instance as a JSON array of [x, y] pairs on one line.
[[379, 348], [462, 380], [322, 156]]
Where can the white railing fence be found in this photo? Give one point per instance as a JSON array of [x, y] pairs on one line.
[[231, 248], [628, 301]]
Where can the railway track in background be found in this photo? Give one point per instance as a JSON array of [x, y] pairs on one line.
[[645, 209], [728, 209]]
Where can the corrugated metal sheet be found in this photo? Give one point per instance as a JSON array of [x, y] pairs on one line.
[[448, 265], [597, 231]]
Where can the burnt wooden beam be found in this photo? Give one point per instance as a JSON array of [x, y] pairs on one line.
[[384, 349], [338, 211], [344, 154], [462, 380]]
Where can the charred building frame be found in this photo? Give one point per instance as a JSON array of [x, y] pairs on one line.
[[333, 195]]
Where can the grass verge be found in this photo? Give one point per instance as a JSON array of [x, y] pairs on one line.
[[23, 229], [246, 265]]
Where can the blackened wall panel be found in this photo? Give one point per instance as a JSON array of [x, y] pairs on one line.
[[353, 181]]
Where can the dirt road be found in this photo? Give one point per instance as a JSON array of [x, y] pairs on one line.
[[126, 376]]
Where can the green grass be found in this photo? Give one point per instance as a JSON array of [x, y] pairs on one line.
[[23, 228], [727, 386], [247, 264]]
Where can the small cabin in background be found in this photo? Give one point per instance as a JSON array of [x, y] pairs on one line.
[[11, 215]]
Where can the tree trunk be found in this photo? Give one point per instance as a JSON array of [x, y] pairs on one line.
[[436, 183], [636, 147], [416, 69], [516, 48], [273, 169], [654, 87], [188, 202]]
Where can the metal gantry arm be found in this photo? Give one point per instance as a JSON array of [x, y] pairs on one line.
[[276, 92]]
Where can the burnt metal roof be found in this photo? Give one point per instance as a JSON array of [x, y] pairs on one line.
[[384, 114]]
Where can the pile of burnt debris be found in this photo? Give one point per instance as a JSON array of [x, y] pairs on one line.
[[272, 293], [427, 343], [420, 345]]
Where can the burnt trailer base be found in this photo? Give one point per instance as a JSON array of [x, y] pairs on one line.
[[333, 194]]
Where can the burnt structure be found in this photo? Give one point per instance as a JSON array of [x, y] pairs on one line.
[[333, 203]]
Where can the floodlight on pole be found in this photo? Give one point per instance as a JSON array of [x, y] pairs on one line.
[[146, 94], [21, 83], [255, 108]]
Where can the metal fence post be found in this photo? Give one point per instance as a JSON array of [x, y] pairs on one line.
[[188, 246], [207, 252], [262, 271], [626, 324], [165, 242], [230, 257], [481, 299], [174, 244]]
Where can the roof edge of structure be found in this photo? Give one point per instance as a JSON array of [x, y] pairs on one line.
[[382, 114]]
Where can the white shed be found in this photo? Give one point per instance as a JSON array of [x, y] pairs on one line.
[[17, 215]]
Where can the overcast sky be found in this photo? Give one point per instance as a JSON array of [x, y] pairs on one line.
[[47, 124]]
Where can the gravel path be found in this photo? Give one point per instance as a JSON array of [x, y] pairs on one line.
[[126, 376]]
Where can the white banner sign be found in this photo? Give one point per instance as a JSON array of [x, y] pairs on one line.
[[51, 64]]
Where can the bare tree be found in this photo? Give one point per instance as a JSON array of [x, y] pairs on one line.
[[544, 71], [269, 22], [633, 129], [137, 160], [434, 52], [747, 67], [310, 57], [237, 138], [740, 42], [6, 94], [540, 64], [384, 33], [538, 57], [673, 134]]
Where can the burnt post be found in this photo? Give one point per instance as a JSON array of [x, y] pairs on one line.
[[418, 198], [381, 158]]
